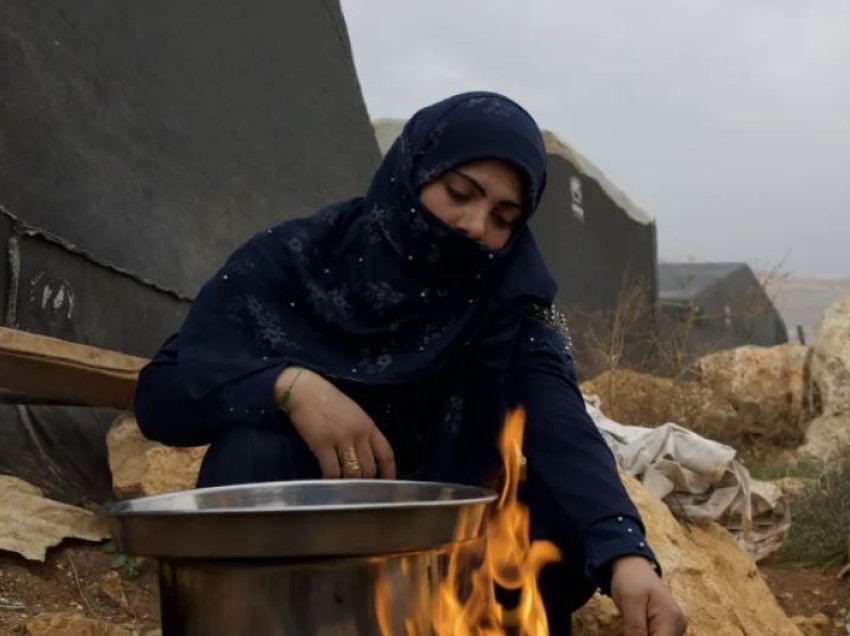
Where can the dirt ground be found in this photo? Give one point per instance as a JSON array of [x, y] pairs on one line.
[[69, 581], [809, 591]]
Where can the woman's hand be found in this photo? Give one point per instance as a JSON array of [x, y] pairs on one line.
[[647, 607], [343, 438]]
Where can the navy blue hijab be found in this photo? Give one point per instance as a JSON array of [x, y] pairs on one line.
[[377, 289]]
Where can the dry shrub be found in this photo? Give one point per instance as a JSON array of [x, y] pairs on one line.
[[644, 400], [619, 338], [820, 529]]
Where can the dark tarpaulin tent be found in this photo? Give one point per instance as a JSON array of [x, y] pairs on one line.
[[140, 143], [713, 306]]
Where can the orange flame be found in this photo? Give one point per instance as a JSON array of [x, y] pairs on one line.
[[465, 601]]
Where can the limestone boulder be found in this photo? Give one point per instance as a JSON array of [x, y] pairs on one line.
[[795, 488], [632, 398], [72, 624], [766, 386], [828, 435], [714, 580], [827, 438], [639, 399], [142, 467], [31, 523], [830, 364]]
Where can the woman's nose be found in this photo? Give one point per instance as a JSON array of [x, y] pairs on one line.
[[473, 222]]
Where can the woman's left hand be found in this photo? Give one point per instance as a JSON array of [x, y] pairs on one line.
[[647, 607]]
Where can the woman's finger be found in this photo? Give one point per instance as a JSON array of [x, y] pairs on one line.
[[665, 617], [350, 461], [365, 454], [328, 462], [383, 453]]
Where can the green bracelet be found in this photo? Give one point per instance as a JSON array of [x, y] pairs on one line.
[[284, 398]]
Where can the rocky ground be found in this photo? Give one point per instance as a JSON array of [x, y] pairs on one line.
[[72, 581], [77, 580], [810, 592]]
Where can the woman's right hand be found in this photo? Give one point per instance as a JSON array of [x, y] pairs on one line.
[[344, 439]]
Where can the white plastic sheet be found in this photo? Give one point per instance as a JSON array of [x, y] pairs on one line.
[[700, 480]]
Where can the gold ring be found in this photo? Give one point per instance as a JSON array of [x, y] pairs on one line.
[[350, 461]]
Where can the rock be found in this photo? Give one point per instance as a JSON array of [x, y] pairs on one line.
[[811, 625], [30, 523], [632, 398], [142, 467], [715, 580], [828, 438], [72, 624], [795, 488], [830, 364], [766, 387], [111, 586], [738, 394], [644, 400], [600, 617]]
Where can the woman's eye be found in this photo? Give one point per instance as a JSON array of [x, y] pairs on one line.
[[506, 219], [457, 195]]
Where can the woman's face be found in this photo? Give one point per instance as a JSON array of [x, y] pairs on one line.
[[482, 199]]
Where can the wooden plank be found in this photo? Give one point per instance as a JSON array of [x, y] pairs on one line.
[[59, 371]]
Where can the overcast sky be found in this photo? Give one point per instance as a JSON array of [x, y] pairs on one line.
[[728, 121]]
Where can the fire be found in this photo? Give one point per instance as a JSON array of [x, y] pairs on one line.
[[465, 601]]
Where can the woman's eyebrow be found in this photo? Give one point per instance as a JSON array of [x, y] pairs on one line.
[[504, 203]]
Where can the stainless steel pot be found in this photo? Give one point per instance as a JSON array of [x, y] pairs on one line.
[[299, 558]]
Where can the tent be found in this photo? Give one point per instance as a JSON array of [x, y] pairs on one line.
[[711, 306], [141, 143]]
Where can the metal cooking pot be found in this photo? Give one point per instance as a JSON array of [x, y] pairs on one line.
[[299, 558]]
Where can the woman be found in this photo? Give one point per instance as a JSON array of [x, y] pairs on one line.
[[389, 335]]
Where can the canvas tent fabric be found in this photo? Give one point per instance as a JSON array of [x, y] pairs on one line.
[[141, 143], [598, 244], [157, 138], [713, 306], [60, 449], [596, 241], [50, 287]]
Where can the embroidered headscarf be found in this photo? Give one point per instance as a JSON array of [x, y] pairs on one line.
[[377, 289]]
